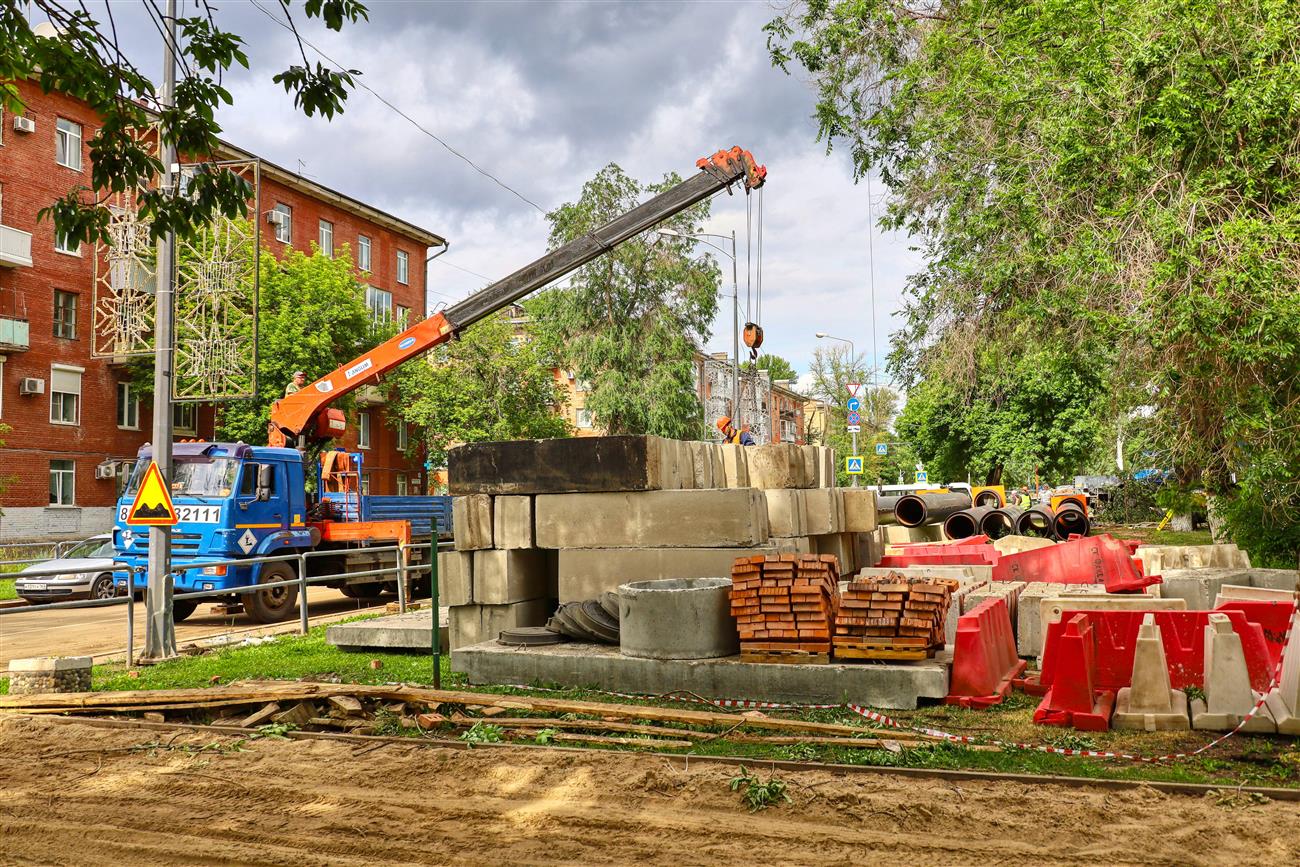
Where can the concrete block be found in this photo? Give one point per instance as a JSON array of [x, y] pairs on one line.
[[787, 512], [1262, 594], [824, 508], [868, 549], [829, 473], [967, 575], [716, 518], [502, 577], [471, 522], [1284, 699], [771, 467], [1150, 703], [1029, 624], [1008, 591], [1228, 696], [529, 612], [859, 509], [735, 465], [842, 546], [585, 573], [1157, 559], [465, 626], [1276, 579], [567, 465], [1017, 544], [793, 544], [685, 460], [702, 465], [812, 466], [878, 685], [956, 605], [410, 631], [456, 577], [512, 521], [897, 534], [679, 618], [719, 472], [1198, 587]]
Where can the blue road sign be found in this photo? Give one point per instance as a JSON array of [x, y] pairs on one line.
[[854, 404], [855, 418], [882, 448], [853, 465], [922, 477]]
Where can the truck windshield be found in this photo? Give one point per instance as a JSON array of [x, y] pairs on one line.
[[193, 477]]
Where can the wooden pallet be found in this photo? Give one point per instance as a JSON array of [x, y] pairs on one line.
[[784, 657], [900, 649]]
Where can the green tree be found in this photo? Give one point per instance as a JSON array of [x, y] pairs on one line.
[[776, 367], [486, 385], [313, 317], [630, 322], [87, 61], [1119, 177]]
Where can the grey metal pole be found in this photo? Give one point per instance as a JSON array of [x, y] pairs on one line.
[[736, 412], [160, 629]]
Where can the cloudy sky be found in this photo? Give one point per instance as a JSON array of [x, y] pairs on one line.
[[542, 95]]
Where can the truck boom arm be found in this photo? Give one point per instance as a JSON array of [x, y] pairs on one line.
[[307, 411]]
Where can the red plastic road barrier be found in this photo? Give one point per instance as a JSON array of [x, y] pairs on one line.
[[984, 657], [1088, 560], [939, 547], [1273, 617], [978, 555], [1183, 633], [1074, 699]]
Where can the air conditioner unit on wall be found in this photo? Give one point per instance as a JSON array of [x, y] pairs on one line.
[[106, 470], [275, 218], [31, 385], [24, 124]]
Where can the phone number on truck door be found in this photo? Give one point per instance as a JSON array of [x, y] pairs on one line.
[[187, 514]]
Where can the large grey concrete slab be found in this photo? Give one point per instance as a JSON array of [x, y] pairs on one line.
[[1198, 587], [715, 518], [896, 686], [585, 573], [409, 631], [569, 465]]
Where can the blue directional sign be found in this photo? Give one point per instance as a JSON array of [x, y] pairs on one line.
[[855, 418], [882, 448], [853, 465], [922, 477], [854, 404]]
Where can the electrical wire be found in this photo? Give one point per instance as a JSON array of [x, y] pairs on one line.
[[412, 121], [871, 270]]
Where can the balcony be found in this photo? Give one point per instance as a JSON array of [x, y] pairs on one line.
[[15, 249], [14, 335]]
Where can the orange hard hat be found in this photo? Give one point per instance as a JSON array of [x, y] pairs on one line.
[[724, 422]]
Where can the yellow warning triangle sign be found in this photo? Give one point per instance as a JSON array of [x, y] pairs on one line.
[[153, 504]]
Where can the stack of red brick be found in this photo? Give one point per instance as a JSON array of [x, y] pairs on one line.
[[893, 610], [785, 603]]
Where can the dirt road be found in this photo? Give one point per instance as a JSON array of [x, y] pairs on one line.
[[72, 794], [41, 631]]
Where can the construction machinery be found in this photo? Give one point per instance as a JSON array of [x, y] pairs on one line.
[[242, 502]]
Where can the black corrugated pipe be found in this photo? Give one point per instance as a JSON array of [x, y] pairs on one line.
[[1038, 521], [966, 523], [1001, 522], [1070, 520], [885, 509], [914, 510], [988, 498]]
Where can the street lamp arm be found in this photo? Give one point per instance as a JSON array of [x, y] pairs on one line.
[[699, 239]]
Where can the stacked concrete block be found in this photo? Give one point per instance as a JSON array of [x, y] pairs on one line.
[[825, 511], [787, 512], [512, 522], [859, 510], [735, 466], [1156, 559], [455, 578], [471, 520], [1028, 618], [474, 624], [729, 518], [585, 573], [1198, 587], [502, 577], [843, 546]]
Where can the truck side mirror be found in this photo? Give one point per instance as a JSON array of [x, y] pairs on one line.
[[265, 481]]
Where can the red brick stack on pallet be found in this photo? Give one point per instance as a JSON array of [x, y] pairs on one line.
[[785, 606], [892, 617]]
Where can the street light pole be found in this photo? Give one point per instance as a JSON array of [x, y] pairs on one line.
[[853, 354]]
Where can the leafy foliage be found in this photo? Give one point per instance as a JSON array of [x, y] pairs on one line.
[[776, 367], [483, 733], [1119, 177], [487, 385], [832, 370], [87, 61], [629, 323], [757, 794]]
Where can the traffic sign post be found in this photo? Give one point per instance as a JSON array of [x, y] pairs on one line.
[[854, 419]]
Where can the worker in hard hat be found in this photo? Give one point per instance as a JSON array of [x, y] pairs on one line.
[[296, 384], [732, 436]]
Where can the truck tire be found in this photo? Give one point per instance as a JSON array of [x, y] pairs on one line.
[[276, 604], [362, 591], [183, 608]]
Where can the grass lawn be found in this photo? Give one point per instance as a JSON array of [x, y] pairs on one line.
[[1150, 536], [7, 589], [1239, 761]]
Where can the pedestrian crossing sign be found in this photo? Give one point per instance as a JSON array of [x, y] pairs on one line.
[[853, 465]]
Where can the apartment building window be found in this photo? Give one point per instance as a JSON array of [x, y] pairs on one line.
[[283, 223], [363, 430], [363, 253], [63, 483], [365, 484], [403, 439], [583, 418], [2, 388], [128, 407], [67, 143], [380, 302], [185, 418], [65, 394], [403, 316], [64, 244], [65, 314], [326, 241], [401, 485], [403, 267]]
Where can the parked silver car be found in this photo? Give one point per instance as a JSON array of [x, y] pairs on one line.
[[87, 574]]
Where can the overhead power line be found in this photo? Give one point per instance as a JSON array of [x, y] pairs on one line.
[[412, 121]]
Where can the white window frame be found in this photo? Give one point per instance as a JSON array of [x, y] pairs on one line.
[[76, 405], [284, 228], [403, 267], [379, 313], [403, 438], [363, 253], [126, 399], [185, 409], [402, 316], [365, 484], [325, 232], [402, 490], [67, 484], [62, 244], [56, 322], [63, 141], [582, 418], [363, 430]]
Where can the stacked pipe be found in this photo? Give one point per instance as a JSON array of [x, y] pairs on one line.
[[885, 509], [916, 510], [966, 523], [1000, 522], [1069, 520]]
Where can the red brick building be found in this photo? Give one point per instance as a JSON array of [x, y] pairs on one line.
[[73, 420]]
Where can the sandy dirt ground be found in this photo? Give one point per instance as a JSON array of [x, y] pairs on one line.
[[73, 794]]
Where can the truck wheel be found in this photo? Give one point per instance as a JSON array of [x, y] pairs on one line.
[[276, 604], [362, 591], [183, 608]]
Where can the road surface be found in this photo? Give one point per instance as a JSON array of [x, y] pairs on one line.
[[40, 631]]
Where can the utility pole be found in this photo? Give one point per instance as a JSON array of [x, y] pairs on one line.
[[160, 629]]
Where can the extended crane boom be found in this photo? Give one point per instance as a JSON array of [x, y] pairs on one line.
[[307, 412]]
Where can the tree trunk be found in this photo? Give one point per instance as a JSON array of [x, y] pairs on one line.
[[1182, 523]]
